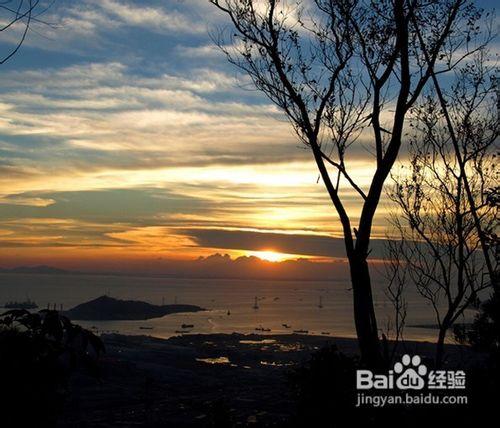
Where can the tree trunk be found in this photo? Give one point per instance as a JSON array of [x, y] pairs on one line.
[[440, 346], [364, 312]]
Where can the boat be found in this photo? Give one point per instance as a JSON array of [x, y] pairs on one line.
[[320, 305], [229, 312], [286, 325], [184, 326], [262, 329], [182, 331], [145, 328], [301, 331], [256, 303], [27, 304], [325, 332]]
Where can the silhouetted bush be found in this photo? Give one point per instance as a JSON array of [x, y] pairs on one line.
[[324, 390], [220, 415], [38, 352], [484, 334], [325, 396]]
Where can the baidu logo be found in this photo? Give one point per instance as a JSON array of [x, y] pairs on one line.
[[410, 374]]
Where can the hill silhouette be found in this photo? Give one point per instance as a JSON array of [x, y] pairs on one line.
[[107, 308]]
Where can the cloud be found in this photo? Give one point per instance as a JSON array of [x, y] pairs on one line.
[[300, 244], [122, 128], [99, 120], [223, 266], [27, 201], [185, 221], [213, 266], [203, 51], [92, 118], [151, 18], [104, 206], [66, 23]]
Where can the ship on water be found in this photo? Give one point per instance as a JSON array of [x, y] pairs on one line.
[[256, 303], [27, 304]]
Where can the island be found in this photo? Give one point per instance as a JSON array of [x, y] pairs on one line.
[[107, 308]]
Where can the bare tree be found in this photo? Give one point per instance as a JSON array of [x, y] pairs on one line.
[[346, 74], [487, 249], [441, 245], [396, 294], [17, 17]]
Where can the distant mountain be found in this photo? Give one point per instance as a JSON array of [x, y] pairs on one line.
[[107, 308], [214, 266], [35, 269]]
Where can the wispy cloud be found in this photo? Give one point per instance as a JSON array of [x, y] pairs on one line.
[[151, 18]]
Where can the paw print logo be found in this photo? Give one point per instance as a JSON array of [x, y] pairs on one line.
[[411, 372]]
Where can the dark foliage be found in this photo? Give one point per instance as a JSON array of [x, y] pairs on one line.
[[325, 396], [38, 353], [484, 334], [220, 415], [324, 390]]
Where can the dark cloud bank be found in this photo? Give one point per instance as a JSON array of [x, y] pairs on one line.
[[214, 266], [304, 244]]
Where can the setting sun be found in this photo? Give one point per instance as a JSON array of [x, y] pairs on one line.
[[270, 256]]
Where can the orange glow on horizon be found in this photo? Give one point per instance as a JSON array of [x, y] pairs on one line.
[[272, 256]]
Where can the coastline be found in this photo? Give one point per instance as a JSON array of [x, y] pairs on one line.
[[181, 380]]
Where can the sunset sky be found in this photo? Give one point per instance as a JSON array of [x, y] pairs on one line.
[[125, 135]]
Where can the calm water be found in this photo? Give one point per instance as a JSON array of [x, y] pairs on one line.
[[280, 302]]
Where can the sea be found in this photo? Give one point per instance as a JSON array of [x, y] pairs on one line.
[[282, 307]]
